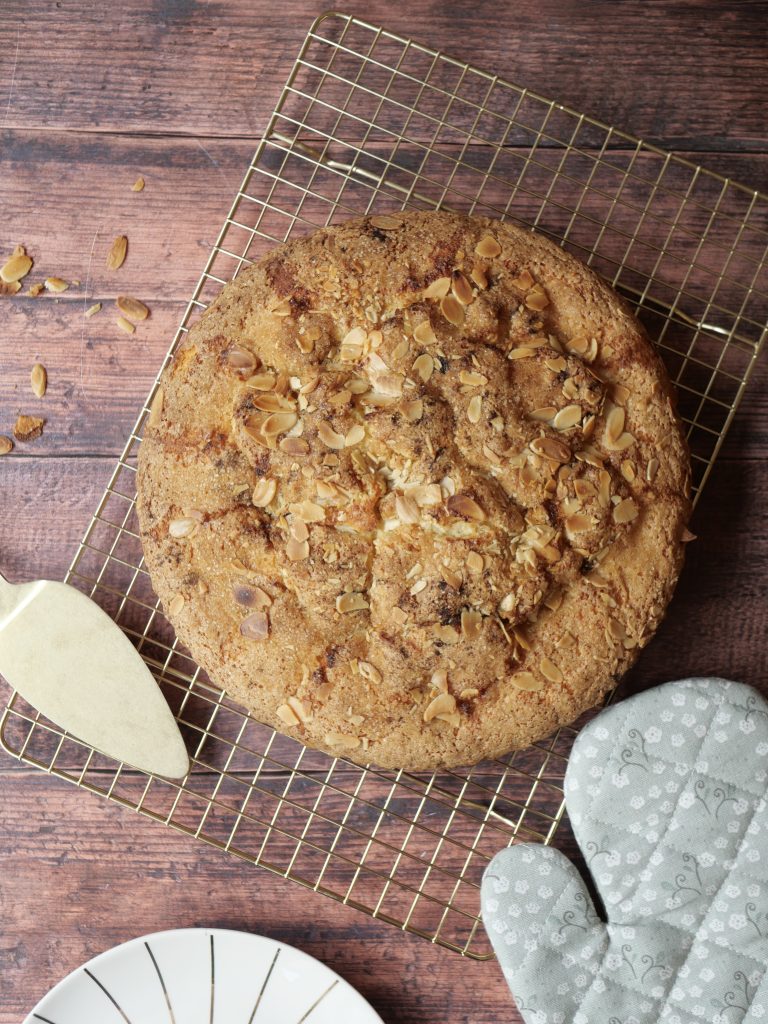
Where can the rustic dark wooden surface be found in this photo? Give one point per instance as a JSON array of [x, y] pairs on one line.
[[91, 96]]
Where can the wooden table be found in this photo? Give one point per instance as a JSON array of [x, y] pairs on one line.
[[93, 95]]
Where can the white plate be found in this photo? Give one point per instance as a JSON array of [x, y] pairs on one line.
[[203, 976]]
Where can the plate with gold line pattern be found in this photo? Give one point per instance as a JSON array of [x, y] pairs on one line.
[[203, 976]]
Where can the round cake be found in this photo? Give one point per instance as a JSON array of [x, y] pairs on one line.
[[413, 489]]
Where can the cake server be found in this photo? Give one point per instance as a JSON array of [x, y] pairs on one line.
[[68, 659]]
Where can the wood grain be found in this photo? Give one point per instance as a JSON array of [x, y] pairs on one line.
[[78, 185], [69, 892], [681, 73], [91, 96]]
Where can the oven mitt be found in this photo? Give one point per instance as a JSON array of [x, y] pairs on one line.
[[666, 795]]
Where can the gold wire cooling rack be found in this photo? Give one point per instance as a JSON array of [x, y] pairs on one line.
[[369, 121]]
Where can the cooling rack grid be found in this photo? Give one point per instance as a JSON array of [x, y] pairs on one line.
[[371, 122]]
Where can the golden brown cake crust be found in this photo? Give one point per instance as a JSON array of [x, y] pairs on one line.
[[414, 490]]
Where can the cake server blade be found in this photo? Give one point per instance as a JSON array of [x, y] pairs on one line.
[[68, 659]]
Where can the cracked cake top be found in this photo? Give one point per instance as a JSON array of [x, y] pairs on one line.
[[413, 489]]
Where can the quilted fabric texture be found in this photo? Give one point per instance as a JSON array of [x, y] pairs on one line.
[[667, 796]]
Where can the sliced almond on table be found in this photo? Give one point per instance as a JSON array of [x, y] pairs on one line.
[[35, 289], [56, 284], [117, 253], [6, 444], [93, 310], [138, 185], [12, 287], [39, 379], [28, 428], [132, 308], [125, 325], [15, 268]]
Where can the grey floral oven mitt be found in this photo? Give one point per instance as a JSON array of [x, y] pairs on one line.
[[666, 795]]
